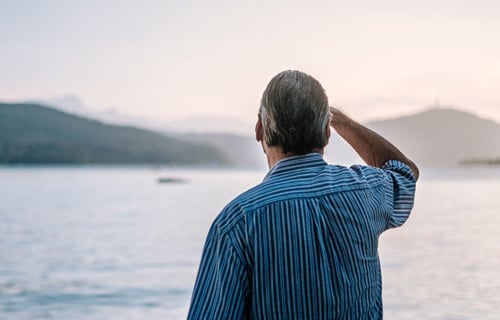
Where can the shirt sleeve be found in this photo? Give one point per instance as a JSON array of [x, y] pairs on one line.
[[400, 186], [222, 283]]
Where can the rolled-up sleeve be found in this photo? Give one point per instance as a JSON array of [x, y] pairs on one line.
[[400, 186]]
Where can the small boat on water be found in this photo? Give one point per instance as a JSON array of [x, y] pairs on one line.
[[171, 180]]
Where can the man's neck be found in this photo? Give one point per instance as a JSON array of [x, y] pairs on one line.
[[275, 154]]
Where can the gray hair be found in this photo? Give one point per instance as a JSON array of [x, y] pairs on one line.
[[294, 113]]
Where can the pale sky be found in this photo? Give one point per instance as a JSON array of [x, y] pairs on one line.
[[174, 59]]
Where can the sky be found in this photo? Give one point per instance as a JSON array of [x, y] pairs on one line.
[[177, 59]]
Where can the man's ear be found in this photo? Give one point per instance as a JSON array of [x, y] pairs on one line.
[[258, 129]]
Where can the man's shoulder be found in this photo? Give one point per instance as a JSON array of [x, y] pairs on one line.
[[302, 184]]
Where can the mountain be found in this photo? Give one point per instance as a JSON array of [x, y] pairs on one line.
[[69, 103], [31, 133], [434, 137], [442, 136], [72, 104], [200, 124], [241, 151]]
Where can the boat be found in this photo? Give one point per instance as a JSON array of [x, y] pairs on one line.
[[171, 180]]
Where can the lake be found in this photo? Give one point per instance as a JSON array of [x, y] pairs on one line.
[[112, 243]]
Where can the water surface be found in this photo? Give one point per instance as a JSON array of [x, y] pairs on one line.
[[112, 243]]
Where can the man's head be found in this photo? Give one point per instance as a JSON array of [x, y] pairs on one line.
[[294, 113]]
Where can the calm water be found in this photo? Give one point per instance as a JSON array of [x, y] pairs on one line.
[[112, 243]]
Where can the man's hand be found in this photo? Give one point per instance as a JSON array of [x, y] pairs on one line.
[[371, 147]]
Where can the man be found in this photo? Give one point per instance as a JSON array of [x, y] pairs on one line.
[[303, 243]]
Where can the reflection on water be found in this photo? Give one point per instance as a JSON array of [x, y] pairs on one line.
[[112, 243]]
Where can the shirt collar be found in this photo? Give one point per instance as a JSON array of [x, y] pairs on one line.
[[296, 162]]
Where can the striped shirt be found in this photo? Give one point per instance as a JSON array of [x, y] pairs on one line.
[[303, 243]]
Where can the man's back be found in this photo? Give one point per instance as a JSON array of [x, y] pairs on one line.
[[303, 244]]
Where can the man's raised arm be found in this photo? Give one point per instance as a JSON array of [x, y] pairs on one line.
[[371, 147]]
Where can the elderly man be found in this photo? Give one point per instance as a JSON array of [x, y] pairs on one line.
[[303, 243]]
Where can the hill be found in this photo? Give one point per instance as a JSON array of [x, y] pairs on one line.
[[442, 136], [241, 151], [32, 133], [434, 137]]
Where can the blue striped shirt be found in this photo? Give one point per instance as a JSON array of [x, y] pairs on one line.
[[303, 243]]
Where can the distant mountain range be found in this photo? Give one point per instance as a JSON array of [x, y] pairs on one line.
[[200, 124], [434, 137], [241, 151], [31, 133], [443, 136]]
